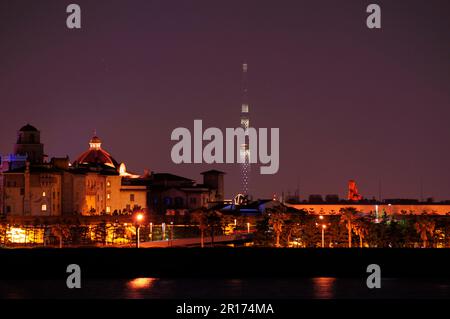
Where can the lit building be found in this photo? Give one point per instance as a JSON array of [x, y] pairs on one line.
[[94, 184], [172, 194], [97, 184], [377, 208], [31, 187]]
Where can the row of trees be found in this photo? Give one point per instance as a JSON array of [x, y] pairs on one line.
[[350, 228], [278, 227], [72, 232]]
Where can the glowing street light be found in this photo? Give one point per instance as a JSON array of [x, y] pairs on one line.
[[138, 220], [139, 217], [248, 228], [322, 226], [323, 235]]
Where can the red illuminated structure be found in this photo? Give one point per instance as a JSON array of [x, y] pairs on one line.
[[353, 194]]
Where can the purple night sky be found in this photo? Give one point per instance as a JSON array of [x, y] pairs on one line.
[[351, 103]]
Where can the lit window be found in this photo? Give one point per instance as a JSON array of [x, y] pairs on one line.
[[108, 196], [108, 184], [108, 209], [44, 194], [44, 207]]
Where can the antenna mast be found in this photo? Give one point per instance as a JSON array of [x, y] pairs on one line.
[[245, 124]]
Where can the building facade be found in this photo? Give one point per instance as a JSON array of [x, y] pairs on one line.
[[94, 184], [170, 194]]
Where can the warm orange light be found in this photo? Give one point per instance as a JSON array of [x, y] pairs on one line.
[[324, 226], [139, 217], [320, 217], [141, 283]]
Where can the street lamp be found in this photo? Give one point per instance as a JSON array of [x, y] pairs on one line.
[[323, 235], [151, 231], [248, 228], [138, 220], [171, 233]]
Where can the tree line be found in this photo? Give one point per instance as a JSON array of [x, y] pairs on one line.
[[281, 227]]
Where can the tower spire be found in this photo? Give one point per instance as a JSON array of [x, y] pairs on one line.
[[245, 124]]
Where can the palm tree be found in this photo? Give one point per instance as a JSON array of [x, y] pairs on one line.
[[62, 232], [276, 220], [349, 215], [360, 228], [214, 219], [199, 217], [423, 228]]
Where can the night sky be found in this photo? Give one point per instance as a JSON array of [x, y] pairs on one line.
[[350, 102]]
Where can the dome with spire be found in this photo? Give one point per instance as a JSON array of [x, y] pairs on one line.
[[96, 156]]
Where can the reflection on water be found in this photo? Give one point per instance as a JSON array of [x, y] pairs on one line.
[[323, 287], [221, 288], [141, 283], [138, 288]]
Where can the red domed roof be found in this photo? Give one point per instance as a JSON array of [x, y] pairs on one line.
[[96, 155]]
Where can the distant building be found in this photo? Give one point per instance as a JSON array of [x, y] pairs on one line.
[[30, 187], [94, 184], [333, 205], [97, 184], [172, 194], [374, 208]]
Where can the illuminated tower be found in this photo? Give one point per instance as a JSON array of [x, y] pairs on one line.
[[245, 124]]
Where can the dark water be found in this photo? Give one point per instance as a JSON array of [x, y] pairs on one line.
[[253, 288]]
